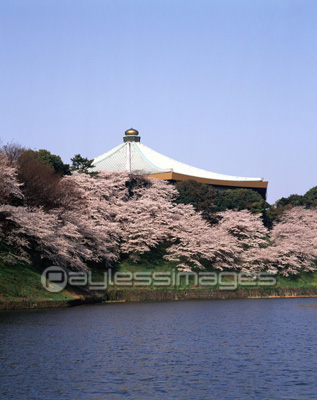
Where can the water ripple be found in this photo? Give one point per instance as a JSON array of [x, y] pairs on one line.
[[234, 349]]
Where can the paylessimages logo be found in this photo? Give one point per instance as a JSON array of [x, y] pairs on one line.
[[55, 279]]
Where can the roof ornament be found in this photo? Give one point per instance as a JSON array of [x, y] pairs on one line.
[[131, 135]]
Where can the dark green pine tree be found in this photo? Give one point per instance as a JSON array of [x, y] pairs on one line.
[[82, 165]]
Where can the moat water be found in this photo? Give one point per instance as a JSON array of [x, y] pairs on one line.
[[226, 349]]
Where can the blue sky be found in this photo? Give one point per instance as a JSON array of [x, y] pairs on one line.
[[225, 85]]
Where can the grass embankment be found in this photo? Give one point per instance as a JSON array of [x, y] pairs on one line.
[[21, 287], [303, 285]]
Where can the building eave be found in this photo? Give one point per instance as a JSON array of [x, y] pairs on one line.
[[181, 177]]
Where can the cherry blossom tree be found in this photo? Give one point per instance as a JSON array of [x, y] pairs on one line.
[[220, 246], [9, 187], [74, 235], [293, 247], [99, 220]]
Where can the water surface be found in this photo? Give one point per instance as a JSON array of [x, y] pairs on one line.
[[218, 349]]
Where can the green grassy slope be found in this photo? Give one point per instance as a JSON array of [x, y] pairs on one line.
[[22, 283]]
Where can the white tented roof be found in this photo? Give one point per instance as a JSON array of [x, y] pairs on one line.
[[139, 158]]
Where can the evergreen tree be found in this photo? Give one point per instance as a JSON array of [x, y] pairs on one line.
[[53, 161], [82, 165]]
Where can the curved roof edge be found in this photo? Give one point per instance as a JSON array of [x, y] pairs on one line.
[[168, 164], [150, 162]]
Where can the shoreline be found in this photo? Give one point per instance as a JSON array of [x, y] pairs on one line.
[[145, 295]]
